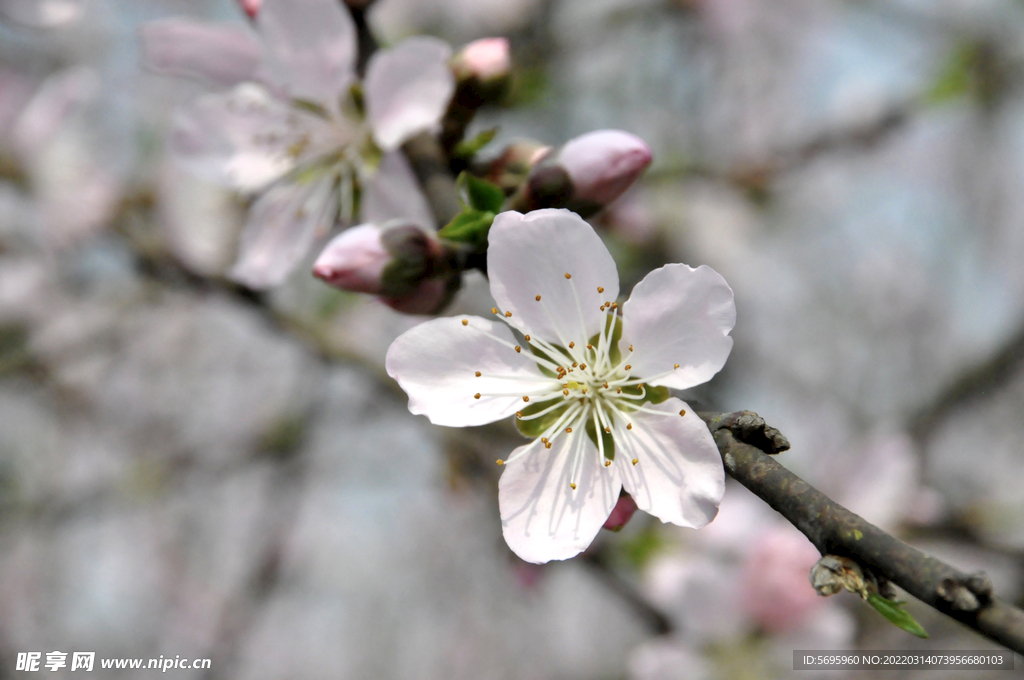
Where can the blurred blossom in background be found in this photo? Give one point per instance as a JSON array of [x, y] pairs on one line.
[[188, 468]]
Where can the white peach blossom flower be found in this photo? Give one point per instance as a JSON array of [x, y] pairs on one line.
[[579, 371], [294, 129]]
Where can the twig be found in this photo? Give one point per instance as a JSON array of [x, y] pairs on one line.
[[743, 440]]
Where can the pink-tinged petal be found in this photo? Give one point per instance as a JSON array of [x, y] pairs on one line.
[[487, 59], [679, 315], [530, 255], [678, 477], [542, 517], [282, 225], [393, 193], [225, 54], [603, 164], [408, 88], [310, 47], [436, 364], [244, 139], [250, 7], [58, 99], [428, 298], [354, 260]]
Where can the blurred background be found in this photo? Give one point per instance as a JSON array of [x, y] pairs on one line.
[[187, 469]]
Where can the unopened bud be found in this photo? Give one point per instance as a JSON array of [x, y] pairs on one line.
[[621, 513], [250, 7], [488, 60], [513, 166], [549, 186], [354, 260], [602, 165], [404, 265]]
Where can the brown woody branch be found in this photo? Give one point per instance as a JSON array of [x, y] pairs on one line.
[[744, 440]]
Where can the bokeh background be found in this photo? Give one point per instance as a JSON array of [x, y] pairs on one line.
[[190, 469]]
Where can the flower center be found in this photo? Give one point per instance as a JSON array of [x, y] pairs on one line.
[[592, 392]]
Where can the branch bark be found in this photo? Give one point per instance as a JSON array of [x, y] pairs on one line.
[[744, 440]]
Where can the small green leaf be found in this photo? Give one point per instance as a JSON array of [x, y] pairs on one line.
[[893, 610], [481, 194], [957, 75], [468, 148], [537, 426], [470, 226]]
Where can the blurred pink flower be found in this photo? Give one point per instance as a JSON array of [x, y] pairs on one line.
[[292, 131], [776, 593], [250, 7], [354, 260], [621, 513]]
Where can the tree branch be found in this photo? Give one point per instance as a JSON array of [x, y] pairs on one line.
[[743, 439]]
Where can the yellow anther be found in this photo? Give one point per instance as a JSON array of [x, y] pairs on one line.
[[607, 463], [606, 385], [629, 426], [628, 366], [608, 430], [635, 461], [565, 392], [584, 390], [519, 414], [544, 439], [526, 399], [574, 364], [618, 390], [682, 412], [538, 298], [631, 348], [478, 374], [600, 289], [583, 366], [572, 485], [614, 305], [518, 348], [500, 461], [527, 338], [476, 396], [568, 430], [465, 322], [568, 275], [571, 345], [547, 445], [677, 366], [494, 310], [508, 314], [589, 346]]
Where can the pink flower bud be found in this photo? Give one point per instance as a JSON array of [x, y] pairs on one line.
[[603, 164], [354, 260], [621, 513], [487, 59], [250, 7], [775, 590]]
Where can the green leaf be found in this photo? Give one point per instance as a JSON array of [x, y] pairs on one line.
[[893, 610], [480, 194], [957, 75], [470, 226], [468, 148], [536, 427]]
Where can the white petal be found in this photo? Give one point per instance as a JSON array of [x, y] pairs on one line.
[[408, 88], [436, 364], [310, 47], [282, 225], [60, 97], [393, 192], [542, 517], [41, 13], [243, 138], [679, 477], [529, 255], [224, 54], [679, 315]]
